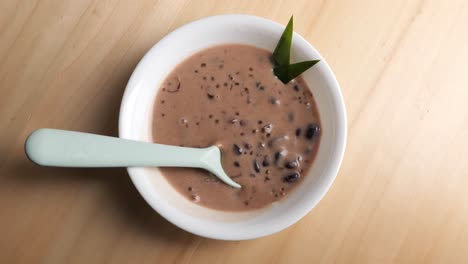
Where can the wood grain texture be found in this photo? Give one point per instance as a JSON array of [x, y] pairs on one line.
[[401, 194]]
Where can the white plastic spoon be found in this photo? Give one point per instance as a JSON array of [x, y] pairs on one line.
[[61, 148]]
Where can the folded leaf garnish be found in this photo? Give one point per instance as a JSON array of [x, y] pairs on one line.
[[283, 70], [283, 48], [288, 72]]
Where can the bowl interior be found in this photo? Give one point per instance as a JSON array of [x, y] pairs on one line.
[[136, 117]]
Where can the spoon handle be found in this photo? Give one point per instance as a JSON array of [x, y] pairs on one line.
[[61, 148]]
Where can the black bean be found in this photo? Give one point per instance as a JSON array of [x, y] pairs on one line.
[[277, 157], [247, 146], [266, 161], [237, 149], [267, 128], [312, 131], [203, 64], [236, 164], [274, 101], [291, 177], [291, 165], [210, 96], [183, 121], [298, 132], [256, 166], [243, 122], [296, 88]]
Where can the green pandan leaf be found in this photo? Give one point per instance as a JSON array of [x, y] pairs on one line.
[[283, 70], [288, 72], [283, 48]]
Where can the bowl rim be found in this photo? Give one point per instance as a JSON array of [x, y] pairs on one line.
[[140, 184]]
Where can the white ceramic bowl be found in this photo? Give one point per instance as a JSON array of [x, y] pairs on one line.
[[136, 117]]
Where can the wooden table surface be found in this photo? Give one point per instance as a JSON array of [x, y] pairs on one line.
[[401, 195]]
